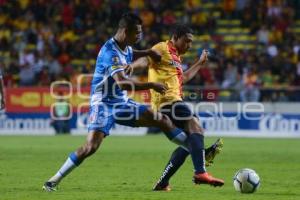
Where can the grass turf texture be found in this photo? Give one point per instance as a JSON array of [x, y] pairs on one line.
[[127, 168]]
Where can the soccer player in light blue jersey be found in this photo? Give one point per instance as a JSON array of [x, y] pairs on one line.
[[109, 103]]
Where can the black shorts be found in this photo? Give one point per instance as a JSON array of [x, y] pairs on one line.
[[179, 113]]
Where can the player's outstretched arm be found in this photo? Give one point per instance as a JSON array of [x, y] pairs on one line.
[[2, 101], [139, 64], [131, 85], [191, 72], [154, 55]]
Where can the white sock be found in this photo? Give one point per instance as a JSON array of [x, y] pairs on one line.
[[65, 169]]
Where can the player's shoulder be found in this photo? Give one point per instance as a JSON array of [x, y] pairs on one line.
[[108, 46], [107, 50], [161, 46]]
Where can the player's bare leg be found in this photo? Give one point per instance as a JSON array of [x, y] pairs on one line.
[[94, 139], [151, 118]]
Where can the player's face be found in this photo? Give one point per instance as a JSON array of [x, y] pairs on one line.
[[184, 43], [134, 34]]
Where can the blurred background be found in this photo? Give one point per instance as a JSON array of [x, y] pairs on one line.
[[256, 44]]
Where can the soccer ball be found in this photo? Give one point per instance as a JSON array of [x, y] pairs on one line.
[[246, 181]]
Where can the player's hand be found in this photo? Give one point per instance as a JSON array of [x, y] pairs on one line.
[[160, 88], [204, 57], [154, 55], [128, 70]]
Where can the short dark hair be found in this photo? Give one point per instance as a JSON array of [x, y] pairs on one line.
[[179, 30], [129, 20]]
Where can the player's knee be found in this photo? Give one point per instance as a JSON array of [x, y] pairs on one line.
[[193, 126], [164, 121]]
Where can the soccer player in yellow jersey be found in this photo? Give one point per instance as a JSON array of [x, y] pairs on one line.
[[169, 72]]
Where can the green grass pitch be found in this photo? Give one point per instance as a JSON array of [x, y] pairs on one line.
[[127, 168]]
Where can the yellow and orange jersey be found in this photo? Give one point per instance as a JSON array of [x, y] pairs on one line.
[[169, 72]]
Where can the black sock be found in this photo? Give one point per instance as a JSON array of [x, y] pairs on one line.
[[177, 159], [195, 142]]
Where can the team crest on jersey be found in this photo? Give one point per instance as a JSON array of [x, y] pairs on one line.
[[115, 60]]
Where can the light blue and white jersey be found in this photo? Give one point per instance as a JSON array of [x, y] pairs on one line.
[[111, 59]]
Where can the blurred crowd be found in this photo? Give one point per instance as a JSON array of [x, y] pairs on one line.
[[46, 40]]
